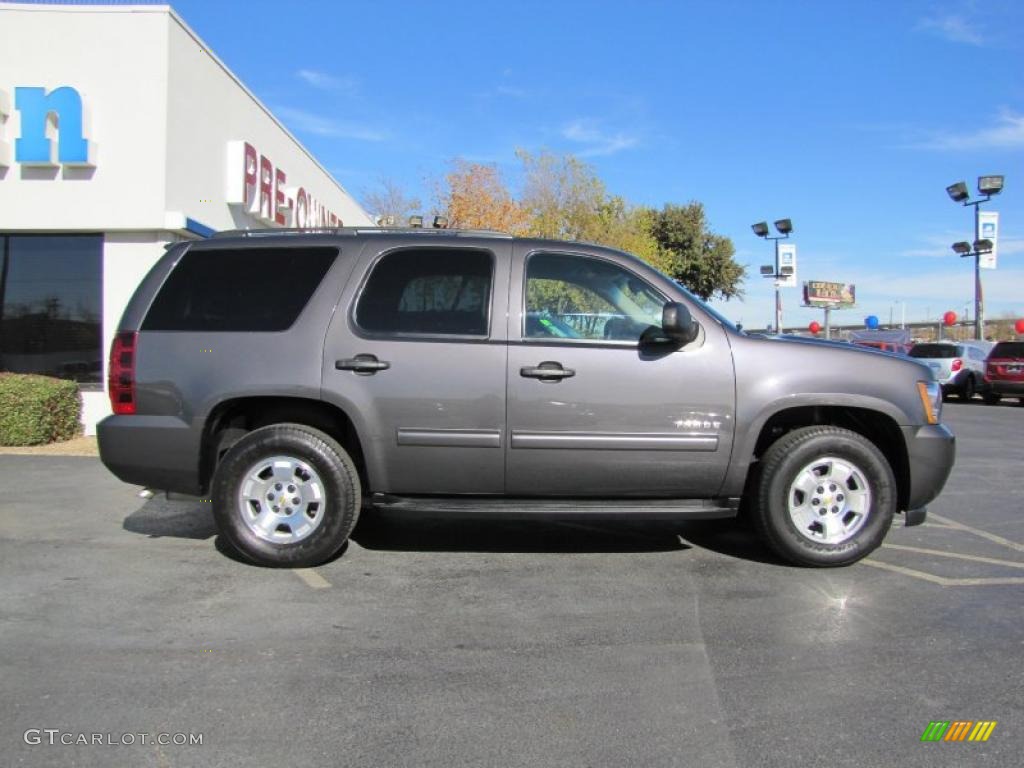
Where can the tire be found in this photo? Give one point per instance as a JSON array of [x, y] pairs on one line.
[[275, 466], [968, 389], [992, 399], [858, 511]]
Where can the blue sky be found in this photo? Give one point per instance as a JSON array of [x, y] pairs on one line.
[[849, 118]]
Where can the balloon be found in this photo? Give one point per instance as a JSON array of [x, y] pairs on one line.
[[949, 318], [815, 327], [871, 322], [1019, 326]]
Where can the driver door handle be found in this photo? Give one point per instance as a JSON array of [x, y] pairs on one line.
[[365, 365], [549, 371]]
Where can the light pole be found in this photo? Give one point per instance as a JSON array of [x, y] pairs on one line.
[[775, 271], [987, 187]]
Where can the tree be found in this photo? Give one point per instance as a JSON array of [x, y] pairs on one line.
[[389, 204], [474, 196], [566, 200], [693, 255]]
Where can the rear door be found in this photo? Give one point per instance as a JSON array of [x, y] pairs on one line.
[[591, 411], [416, 354]]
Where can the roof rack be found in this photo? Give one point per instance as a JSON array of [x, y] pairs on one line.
[[349, 231]]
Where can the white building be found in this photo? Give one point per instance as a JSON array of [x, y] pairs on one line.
[[120, 132]]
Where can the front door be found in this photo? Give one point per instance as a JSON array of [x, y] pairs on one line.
[[592, 411], [416, 356]]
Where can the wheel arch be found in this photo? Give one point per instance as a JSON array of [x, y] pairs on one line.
[[230, 419], [881, 429]]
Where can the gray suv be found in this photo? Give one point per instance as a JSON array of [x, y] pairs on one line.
[[300, 378]]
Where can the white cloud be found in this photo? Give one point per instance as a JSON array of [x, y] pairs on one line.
[[954, 28], [307, 122], [1007, 133], [326, 82], [594, 141]]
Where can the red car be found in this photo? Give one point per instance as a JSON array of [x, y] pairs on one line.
[[1004, 372]]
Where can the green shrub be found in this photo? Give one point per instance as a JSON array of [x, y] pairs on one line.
[[38, 409]]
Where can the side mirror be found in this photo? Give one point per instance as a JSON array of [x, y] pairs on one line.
[[678, 324]]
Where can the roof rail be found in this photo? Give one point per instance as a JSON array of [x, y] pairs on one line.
[[341, 231]]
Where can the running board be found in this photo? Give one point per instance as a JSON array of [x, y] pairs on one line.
[[504, 507]]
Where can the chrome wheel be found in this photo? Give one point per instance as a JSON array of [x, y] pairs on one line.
[[829, 500], [281, 499]]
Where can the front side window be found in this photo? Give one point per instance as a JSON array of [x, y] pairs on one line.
[[579, 297], [51, 294], [433, 292]]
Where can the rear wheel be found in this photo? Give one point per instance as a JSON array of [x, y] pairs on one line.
[[825, 497], [968, 389], [286, 495]]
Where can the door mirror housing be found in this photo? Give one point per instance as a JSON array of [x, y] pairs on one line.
[[678, 324]]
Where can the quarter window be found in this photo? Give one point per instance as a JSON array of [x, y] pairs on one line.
[[436, 292], [578, 297], [247, 289]]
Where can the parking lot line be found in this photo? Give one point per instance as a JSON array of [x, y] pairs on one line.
[[977, 532], [959, 556], [941, 580], [312, 578]]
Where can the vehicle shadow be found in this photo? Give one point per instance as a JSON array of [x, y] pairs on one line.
[[390, 532], [402, 533], [159, 517]]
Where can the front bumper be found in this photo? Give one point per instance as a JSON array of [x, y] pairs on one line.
[[931, 451]]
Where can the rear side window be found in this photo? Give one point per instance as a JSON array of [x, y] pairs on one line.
[[247, 289], [428, 291], [1005, 349], [932, 351]]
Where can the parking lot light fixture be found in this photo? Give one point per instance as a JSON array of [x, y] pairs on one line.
[[958, 192], [990, 185], [987, 186], [784, 226]]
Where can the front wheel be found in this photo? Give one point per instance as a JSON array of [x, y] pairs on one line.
[[824, 496], [286, 495]]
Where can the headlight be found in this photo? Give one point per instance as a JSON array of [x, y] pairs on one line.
[[931, 400]]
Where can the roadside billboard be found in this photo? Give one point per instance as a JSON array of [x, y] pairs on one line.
[[819, 293]]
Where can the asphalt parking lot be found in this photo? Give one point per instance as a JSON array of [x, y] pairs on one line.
[[509, 644]]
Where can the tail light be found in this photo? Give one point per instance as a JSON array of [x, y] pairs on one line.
[[121, 374], [957, 365]]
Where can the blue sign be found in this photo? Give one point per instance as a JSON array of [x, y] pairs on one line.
[[36, 106]]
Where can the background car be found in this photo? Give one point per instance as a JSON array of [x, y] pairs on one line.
[[1004, 372], [959, 366]]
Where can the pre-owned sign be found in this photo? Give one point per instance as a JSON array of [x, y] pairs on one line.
[[260, 188]]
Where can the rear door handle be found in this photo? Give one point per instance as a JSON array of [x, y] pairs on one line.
[[366, 365], [548, 371]]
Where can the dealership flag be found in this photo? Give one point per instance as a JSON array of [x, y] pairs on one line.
[[988, 229]]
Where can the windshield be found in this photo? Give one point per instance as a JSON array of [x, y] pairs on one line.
[[722, 319], [1007, 349], [931, 351]]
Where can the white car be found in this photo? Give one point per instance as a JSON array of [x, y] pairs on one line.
[[959, 365]]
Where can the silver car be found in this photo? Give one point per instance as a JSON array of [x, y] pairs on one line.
[[959, 366]]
